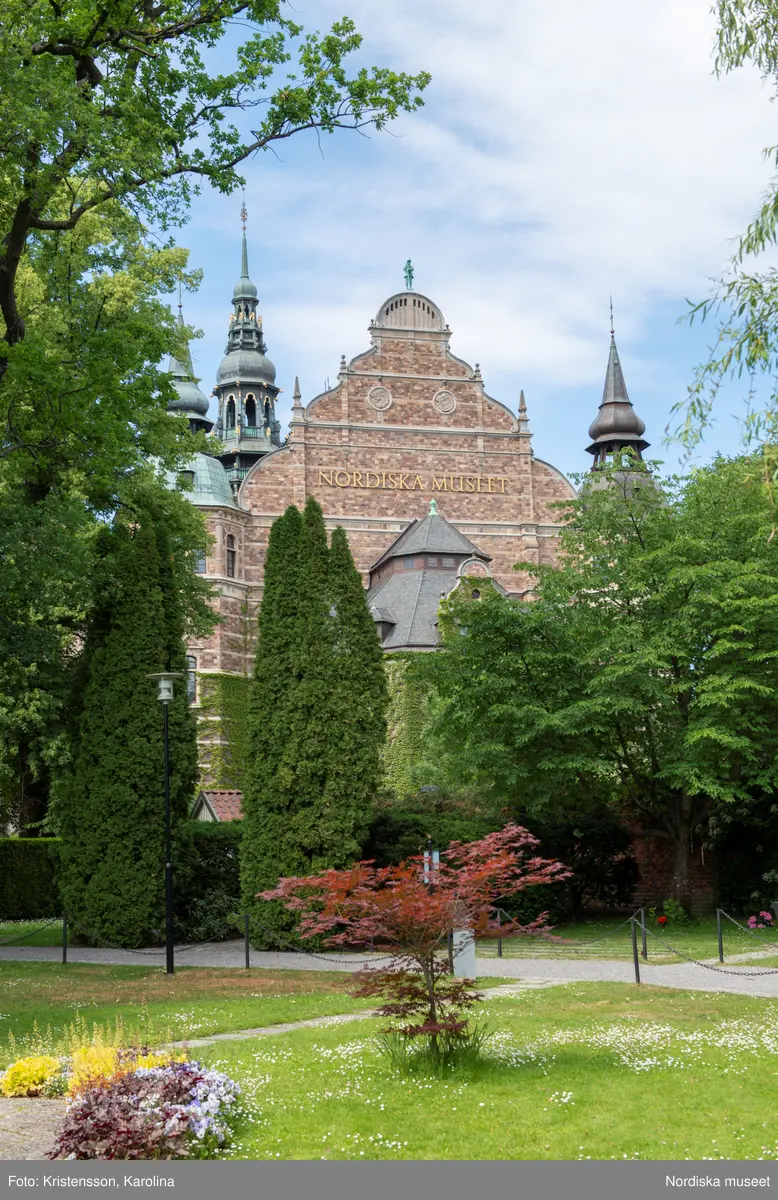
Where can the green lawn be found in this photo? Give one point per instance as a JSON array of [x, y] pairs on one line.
[[584, 1070], [30, 933], [607, 938], [194, 1002]]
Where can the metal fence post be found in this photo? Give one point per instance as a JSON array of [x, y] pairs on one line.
[[645, 939], [64, 938], [246, 943], [450, 942], [499, 939], [635, 957], [719, 934]]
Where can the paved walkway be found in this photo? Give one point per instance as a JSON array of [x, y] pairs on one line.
[[28, 1127], [747, 979]]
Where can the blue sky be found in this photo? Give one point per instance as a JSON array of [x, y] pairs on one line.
[[566, 152]]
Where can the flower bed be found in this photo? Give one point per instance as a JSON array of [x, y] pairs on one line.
[[129, 1103]]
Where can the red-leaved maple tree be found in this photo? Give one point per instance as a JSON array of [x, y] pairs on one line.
[[409, 913]]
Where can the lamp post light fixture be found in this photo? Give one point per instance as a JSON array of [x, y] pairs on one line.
[[165, 680]]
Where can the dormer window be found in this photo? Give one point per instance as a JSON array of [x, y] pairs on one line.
[[409, 563]]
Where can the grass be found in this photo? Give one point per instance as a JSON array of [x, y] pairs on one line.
[[30, 933], [195, 1002], [611, 940], [580, 1071]]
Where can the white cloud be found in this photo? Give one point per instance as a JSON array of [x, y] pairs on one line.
[[566, 151]]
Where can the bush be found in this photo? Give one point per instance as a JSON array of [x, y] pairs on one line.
[[176, 1111], [29, 879], [207, 884], [35, 1075], [398, 834]]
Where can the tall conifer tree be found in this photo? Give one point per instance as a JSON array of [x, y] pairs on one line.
[[270, 774], [358, 701], [318, 717], [111, 809]]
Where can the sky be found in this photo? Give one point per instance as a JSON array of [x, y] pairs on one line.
[[566, 153]]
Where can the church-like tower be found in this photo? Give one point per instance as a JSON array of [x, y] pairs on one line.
[[245, 383], [617, 426], [191, 402]]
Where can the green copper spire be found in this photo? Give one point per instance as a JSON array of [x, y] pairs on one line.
[[244, 288], [433, 508]]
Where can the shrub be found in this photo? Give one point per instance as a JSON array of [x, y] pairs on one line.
[[29, 879], [36, 1075], [398, 833], [180, 1110], [207, 891]]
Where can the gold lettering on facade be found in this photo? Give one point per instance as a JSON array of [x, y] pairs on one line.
[[393, 481]]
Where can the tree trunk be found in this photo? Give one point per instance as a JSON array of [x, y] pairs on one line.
[[682, 864]]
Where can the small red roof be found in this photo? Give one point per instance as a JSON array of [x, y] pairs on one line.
[[225, 804]]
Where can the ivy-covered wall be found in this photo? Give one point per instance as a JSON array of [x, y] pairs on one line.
[[223, 730], [406, 721]]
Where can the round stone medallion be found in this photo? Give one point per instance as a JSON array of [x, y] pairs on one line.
[[445, 403], [379, 398]]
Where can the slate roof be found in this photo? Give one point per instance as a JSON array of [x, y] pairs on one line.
[[432, 535], [223, 803], [411, 600]]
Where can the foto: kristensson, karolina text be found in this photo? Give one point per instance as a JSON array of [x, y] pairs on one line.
[[90, 1181]]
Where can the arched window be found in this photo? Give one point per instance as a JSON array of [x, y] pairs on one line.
[[191, 679], [251, 411], [231, 413], [267, 412], [230, 556]]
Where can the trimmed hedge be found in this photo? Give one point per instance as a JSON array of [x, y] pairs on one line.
[[397, 834], [207, 881], [29, 879]]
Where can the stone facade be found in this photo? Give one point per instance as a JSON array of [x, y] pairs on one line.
[[407, 422]]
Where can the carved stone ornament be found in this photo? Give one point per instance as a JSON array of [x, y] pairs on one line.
[[445, 403], [474, 566], [379, 398]]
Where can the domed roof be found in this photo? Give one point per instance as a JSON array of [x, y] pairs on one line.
[[189, 397], [616, 420], [210, 483], [248, 366], [409, 310]]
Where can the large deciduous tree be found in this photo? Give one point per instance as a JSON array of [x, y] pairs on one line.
[[124, 102], [645, 673], [110, 808], [744, 301]]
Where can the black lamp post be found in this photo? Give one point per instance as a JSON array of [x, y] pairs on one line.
[[165, 695]]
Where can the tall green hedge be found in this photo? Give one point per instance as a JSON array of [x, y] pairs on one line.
[[207, 881], [29, 879]]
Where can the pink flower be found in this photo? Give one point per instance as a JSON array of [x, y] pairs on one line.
[[767, 916], [752, 922], [761, 925]]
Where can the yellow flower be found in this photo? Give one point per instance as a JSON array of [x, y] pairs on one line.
[[29, 1076]]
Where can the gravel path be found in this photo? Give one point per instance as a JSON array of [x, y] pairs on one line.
[[27, 1127], [748, 979]]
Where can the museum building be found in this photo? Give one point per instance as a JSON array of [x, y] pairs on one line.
[[408, 423]]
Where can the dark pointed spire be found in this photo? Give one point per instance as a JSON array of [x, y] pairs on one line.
[[190, 400], [616, 426], [244, 288]]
